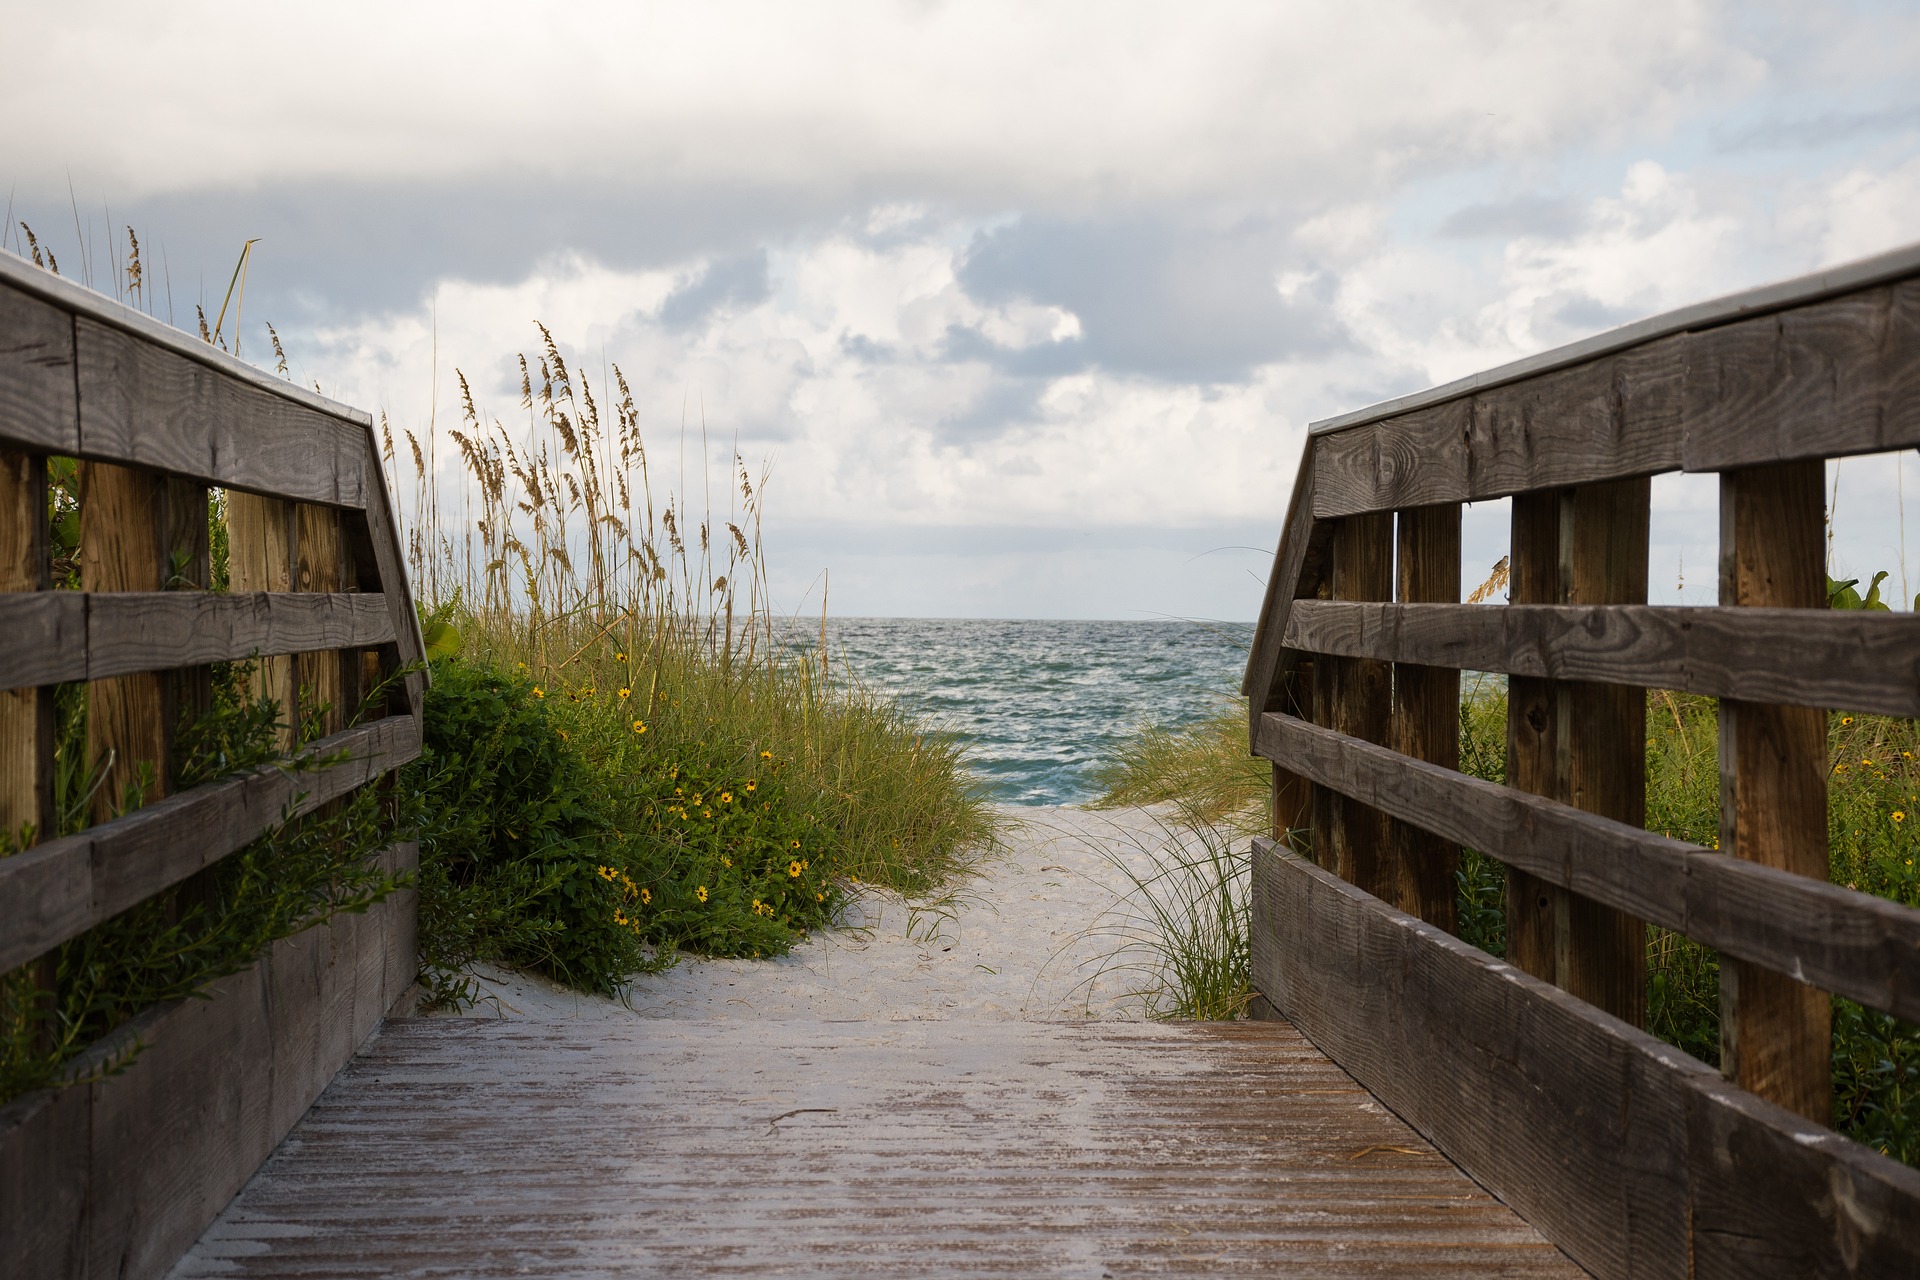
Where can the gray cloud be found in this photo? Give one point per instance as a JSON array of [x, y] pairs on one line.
[[739, 281], [1153, 296], [1524, 216]]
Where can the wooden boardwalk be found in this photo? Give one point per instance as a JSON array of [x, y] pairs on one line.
[[681, 1147]]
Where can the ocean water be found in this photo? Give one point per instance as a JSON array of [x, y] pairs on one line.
[[1040, 704]]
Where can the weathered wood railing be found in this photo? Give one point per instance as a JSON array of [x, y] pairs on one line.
[[1534, 1075], [118, 1176]]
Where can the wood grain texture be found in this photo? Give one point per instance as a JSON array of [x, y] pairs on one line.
[[26, 714], [1538, 726], [38, 411], [62, 887], [384, 570], [145, 405], [1360, 701], [260, 540], [1775, 1032], [1634, 1158], [318, 566], [1426, 709], [118, 1177], [1819, 381], [1299, 564], [1856, 661], [74, 635], [1605, 950], [1618, 416], [1851, 943], [123, 531], [478, 1147]]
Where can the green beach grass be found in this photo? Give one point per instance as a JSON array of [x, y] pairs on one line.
[[628, 754]]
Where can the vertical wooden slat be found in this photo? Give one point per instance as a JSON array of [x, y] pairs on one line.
[[26, 715], [1321, 691], [1604, 951], [189, 691], [123, 548], [1535, 756], [317, 567], [1426, 709], [1775, 1033], [260, 558], [1362, 692], [1292, 809]]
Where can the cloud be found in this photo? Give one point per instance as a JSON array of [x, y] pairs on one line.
[[739, 281], [1153, 296]]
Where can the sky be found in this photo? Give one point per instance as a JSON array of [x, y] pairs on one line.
[[1026, 306]]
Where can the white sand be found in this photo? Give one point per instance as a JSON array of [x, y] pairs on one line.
[[1032, 935]]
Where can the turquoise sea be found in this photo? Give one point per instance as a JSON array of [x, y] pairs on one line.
[[1039, 704]]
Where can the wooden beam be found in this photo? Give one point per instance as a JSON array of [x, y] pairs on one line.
[[1856, 661], [1360, 704], [1618, 415], [1426, 710], [38, 411], [1857, 945], [1821, 379], [76, 635], [1537, 750], [318, 565], [260, 541], [123, 547], [26, 714], [1775, 1033], [142, 404], [1632, 1157], [59, 889], [1605, 949]]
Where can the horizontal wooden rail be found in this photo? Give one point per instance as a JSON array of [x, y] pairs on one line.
[[55, 891], [84, 377], [1853, 944], [1633, 1157], [1813, 379], [1857, 661], [56, 636]]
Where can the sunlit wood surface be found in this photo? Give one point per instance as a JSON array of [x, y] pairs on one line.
[[679, 1147]]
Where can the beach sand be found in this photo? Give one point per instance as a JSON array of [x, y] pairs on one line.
[[1034, 934]]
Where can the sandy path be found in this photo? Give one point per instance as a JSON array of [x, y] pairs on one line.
[[1022, 939]]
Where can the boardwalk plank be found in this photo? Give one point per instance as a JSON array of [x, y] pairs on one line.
[[661, 1147]]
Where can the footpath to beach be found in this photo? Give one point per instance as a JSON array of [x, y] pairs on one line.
[[959, 1089]]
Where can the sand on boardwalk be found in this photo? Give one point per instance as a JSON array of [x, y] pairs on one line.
[[1035, 934]]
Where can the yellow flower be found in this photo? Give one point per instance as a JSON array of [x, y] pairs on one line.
[[538, 692], [646, 897], [793, 870], [726, 862], [626, 693], [819, 897], [619, 657], [564, 737], [706, 813], [639, 727], [766, 755], [726, 797], [1846, 719], [793, 844], [701, 893], [1898, 816], [519, 666], [749, 788]]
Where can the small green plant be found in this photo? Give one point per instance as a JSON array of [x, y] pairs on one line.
[[1182, 927]]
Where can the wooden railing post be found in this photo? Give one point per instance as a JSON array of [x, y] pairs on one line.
[[26, 715], [123, 547], [260, 558], [1360, 703], [1581, 743], [1426, 709], [1606, 950], [1536, 720], [1775, 1033], [317, 567]]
